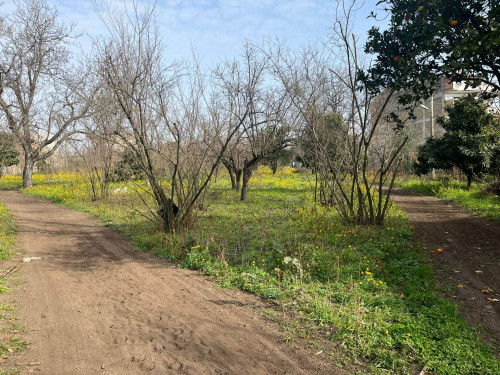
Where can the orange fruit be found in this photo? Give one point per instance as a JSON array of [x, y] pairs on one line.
[[433, 252], [440, 250], [453, 23]]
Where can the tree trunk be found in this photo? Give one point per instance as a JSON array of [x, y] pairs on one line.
[[237, 176], [28, 171], [232, 175], [469, 181], [233, 179], [247, 174], [216, 174]]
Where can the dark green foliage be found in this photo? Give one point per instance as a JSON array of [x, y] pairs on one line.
[[429, 39], [433, 154], [8, 153], [494, 184], [280, 158], [471, 141], [127, 168]]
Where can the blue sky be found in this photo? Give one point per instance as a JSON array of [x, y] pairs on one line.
[[218, 28]]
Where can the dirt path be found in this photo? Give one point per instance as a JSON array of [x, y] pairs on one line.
[[92, 306], [470, 258]]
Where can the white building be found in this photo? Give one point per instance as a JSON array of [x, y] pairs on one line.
[[425, 126]]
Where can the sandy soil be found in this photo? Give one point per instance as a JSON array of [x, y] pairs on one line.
[[470, 261], [93, 306]]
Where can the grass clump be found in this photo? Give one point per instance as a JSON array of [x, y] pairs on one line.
[[366, 289], [11, 332], [475, 200], [7, 233]]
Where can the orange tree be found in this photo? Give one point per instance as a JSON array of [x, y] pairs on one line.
[[429, 39]]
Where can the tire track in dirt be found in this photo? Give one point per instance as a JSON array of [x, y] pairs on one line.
[[93, 306], [470, 258]]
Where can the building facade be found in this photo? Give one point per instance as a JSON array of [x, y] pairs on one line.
[[428, 111]]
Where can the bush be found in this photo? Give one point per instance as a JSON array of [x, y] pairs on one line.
[[127, 168]]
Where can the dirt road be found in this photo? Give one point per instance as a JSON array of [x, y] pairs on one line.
[[93, 306], [470, 262]]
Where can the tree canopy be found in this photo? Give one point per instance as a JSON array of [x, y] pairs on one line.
[[430, 39]]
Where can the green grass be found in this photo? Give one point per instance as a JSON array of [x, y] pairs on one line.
[[474, 200], [7, 233], [11, 332], [366, 289]]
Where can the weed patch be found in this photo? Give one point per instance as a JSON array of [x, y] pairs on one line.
[[7, 233], [11, 332]]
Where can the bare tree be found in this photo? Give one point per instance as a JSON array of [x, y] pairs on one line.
[[267, 128], [318, 100], [96, 154], [174, 118], [353, 169], [358, 191], [233, 161], [261, 143], [130, 63], [99, 145], [41, 95], [237, 84]]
